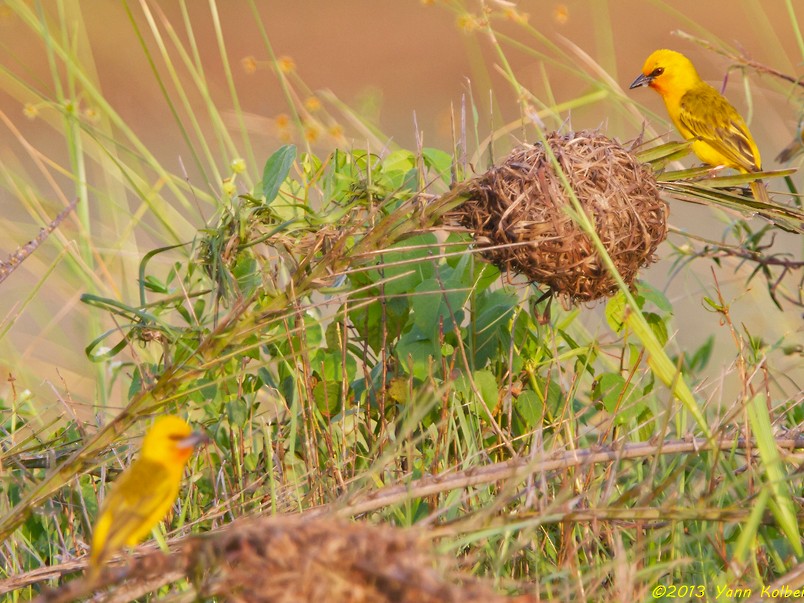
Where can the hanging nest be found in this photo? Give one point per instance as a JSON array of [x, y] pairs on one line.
[[517, 212]]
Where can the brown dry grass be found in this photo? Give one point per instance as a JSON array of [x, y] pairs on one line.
[[294, 559]]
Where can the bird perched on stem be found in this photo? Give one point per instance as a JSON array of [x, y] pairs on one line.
[[700, 113], [144, 493]]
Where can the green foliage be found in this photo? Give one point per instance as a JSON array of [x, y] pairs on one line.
[[276, 171], [338, 344]]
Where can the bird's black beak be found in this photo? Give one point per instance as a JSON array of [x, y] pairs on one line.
[[642, 80], [193, 440]]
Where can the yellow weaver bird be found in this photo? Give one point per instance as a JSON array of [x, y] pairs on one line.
[[700, 113], [141, 497]]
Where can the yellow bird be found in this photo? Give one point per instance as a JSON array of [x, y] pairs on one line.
[[700, 113], [144, 493]]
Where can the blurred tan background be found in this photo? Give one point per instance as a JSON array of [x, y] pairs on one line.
[[414, 58], [389, 59]]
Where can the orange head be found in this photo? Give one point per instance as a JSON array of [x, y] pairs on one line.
[[171, 440], [668, 72]]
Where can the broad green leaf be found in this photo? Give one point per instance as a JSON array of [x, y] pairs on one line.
[[407, 264], [653, 295], [400, 160], [618, 397], [436, 301], [440, 161], [416, 352], [330, 365], [276, 170], [493, 311], [327, 397], [486, 386], [530, 408], [246, 271], [371, 317], [657, 325]]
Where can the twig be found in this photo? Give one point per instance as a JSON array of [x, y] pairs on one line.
[[741, 59], [21, 254], [520, 468]]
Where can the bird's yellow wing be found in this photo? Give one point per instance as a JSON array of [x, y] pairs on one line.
[[140, 498], [709, 117]]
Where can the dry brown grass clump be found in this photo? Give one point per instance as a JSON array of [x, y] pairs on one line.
[[292, 560], [301, 561], [517, 212]]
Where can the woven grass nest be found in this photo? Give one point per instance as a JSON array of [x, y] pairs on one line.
[[517, 213]]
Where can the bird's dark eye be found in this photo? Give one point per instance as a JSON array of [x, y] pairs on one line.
[[657, 72]]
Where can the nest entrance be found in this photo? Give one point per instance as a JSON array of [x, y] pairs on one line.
[[517, 212]]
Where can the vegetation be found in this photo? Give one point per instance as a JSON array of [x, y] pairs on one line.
[[350, 353]]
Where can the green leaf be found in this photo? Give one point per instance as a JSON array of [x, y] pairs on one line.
[[440, 161], [781, 503], [656, 297], [400, 160], [432, 304], [366, 315], [686, 174], [701, 357], [276, 170], [657, 325], [247, 273], [786, 217], [493, 312], [749, 529], [486, 386], [485, 275], [409, 182], [664, 153], [740, 179], [327, 397], [415, 352], [400, 267], [311, 166], [151, 283], [237, 412], [530, 408], [250, 461], [617, 397], [330, 365], [615, 312], [663, 369]]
